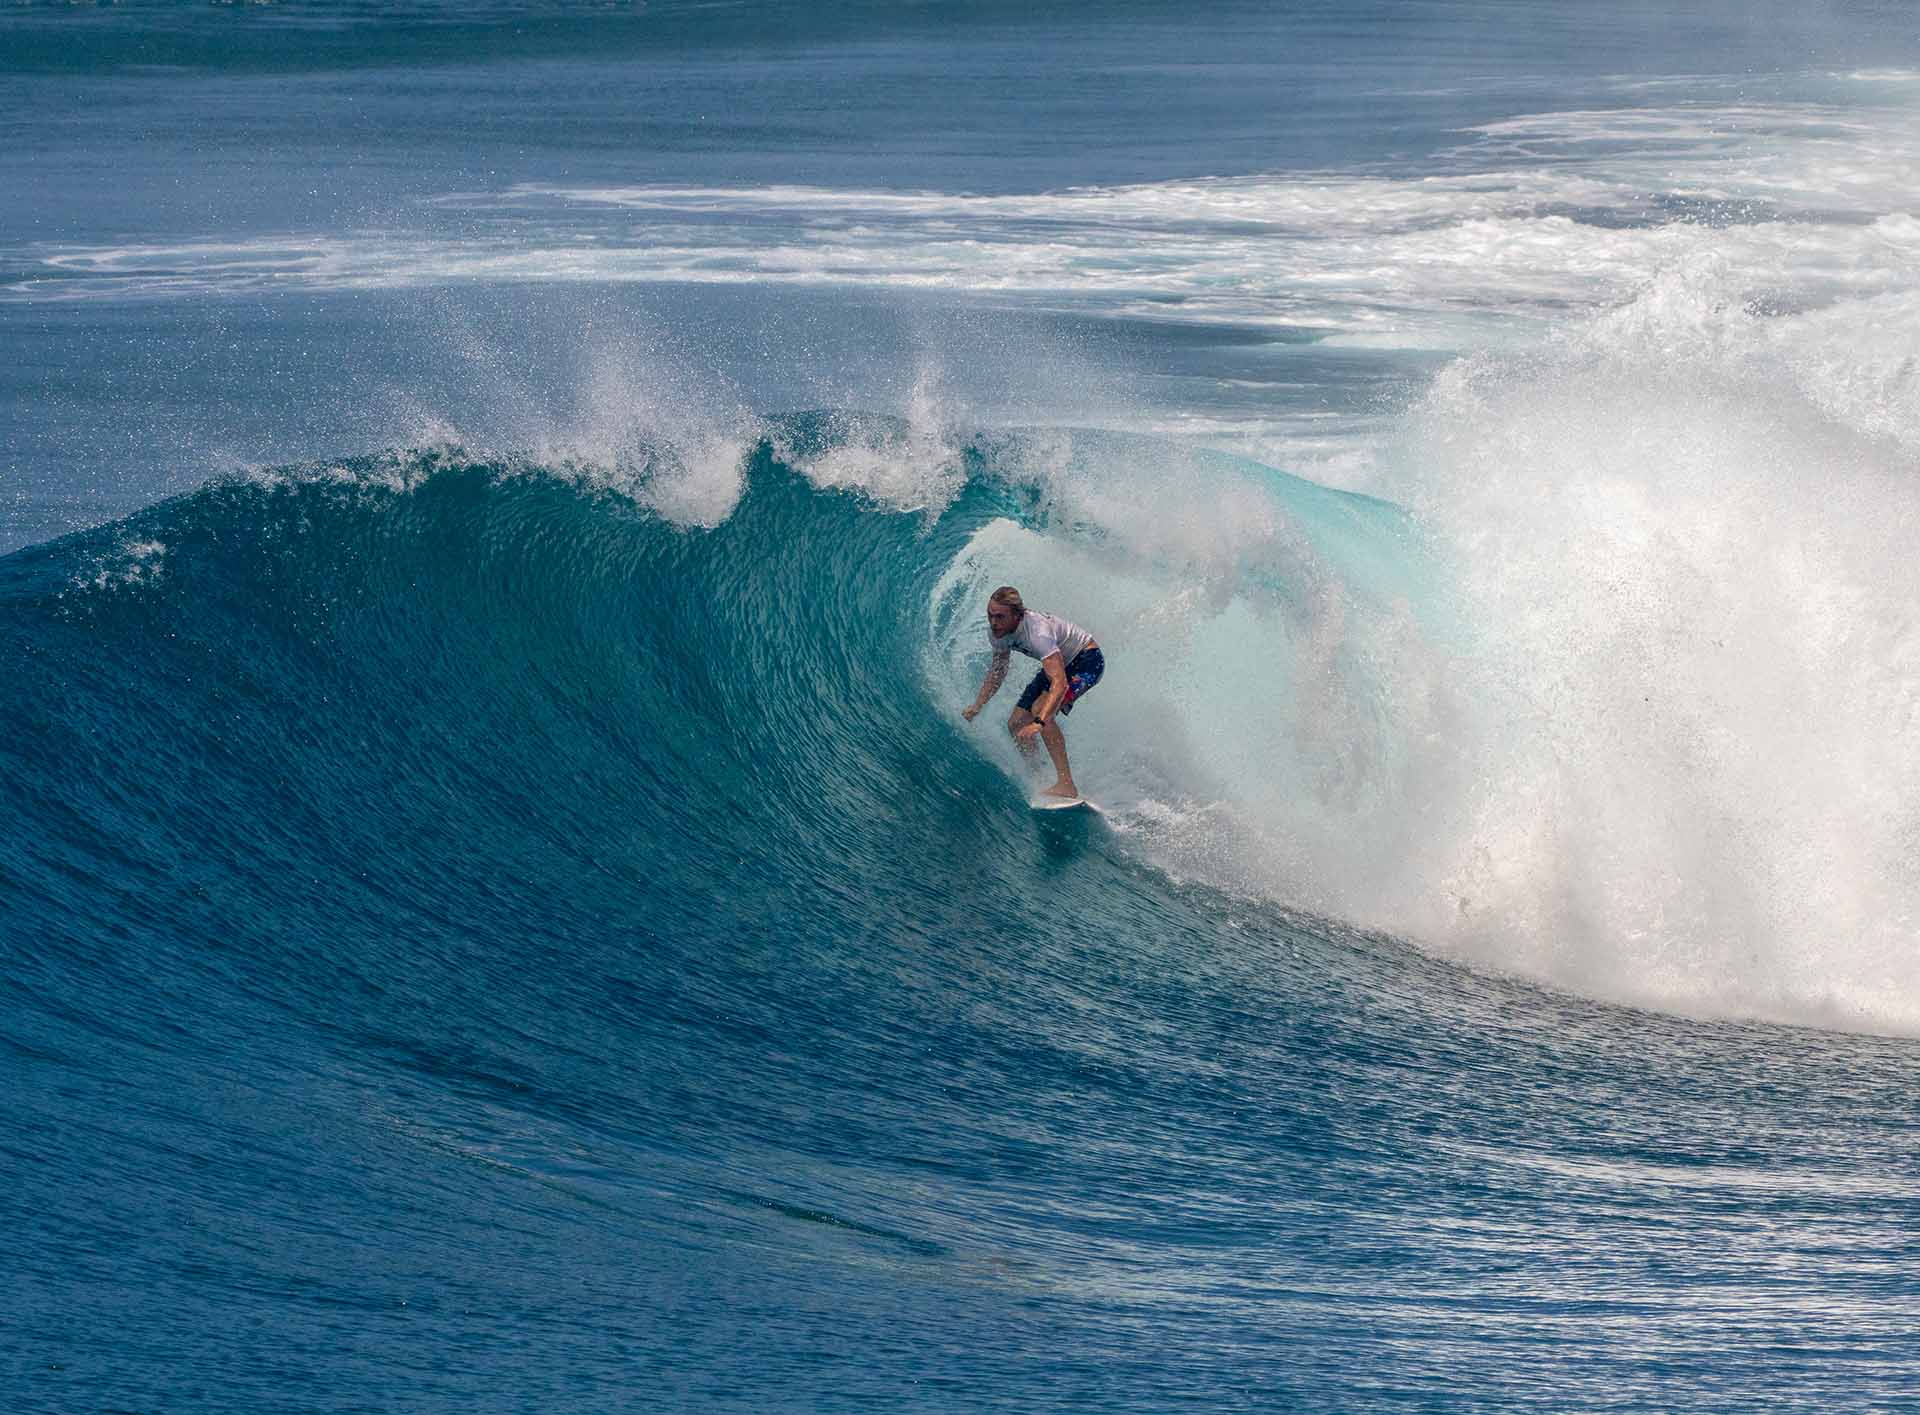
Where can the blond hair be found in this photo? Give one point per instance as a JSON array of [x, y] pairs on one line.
[[1008, 596]]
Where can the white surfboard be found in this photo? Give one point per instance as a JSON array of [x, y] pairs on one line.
[[1064, 803]]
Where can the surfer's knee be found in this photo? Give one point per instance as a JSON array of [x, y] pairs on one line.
[[1018, 719]]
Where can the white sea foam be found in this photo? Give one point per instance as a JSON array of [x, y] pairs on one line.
[[131, 562], [1529, 218], [911, 463], [1652, 732], [647, 429], [1658, 738], [1691, 769]]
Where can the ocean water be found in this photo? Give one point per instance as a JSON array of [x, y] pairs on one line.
[[500, 910]]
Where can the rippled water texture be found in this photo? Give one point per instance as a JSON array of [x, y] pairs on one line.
[[500, 908]]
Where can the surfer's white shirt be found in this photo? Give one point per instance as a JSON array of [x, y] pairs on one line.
[[1039, 634]]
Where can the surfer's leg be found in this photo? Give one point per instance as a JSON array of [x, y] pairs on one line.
[[1016, 720], [1056, 741], [1082, 674], [1023, 714]]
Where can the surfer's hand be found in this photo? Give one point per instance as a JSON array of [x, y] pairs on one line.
[[1032, 729], [970, 713]]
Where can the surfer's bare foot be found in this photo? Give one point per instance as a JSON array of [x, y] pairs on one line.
[[1061, 788]]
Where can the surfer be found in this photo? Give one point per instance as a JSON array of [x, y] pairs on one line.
[[1070, 664]]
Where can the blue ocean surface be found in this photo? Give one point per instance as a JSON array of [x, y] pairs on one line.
[[500, 909]]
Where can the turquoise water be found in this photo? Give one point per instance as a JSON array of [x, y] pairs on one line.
[[499, 909]]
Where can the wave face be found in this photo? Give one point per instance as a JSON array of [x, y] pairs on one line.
[[464, 660], [460, 877], [488, 668]]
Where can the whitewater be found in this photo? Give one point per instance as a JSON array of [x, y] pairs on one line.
[[499, 907]]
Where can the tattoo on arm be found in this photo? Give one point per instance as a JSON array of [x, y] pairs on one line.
[[996, 675]]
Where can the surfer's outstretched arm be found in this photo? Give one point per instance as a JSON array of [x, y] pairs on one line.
[[996, 675]]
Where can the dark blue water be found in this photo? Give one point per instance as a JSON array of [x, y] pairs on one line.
[[499, 909]]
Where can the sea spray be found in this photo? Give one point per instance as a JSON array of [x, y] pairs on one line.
[[1692, 707]]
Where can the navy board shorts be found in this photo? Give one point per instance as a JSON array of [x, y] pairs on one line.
[[1082, 674]]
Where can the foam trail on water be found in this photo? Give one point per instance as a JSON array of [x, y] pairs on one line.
[[1529, 217]]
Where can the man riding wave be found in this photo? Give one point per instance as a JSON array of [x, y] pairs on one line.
[[1070, 664]]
